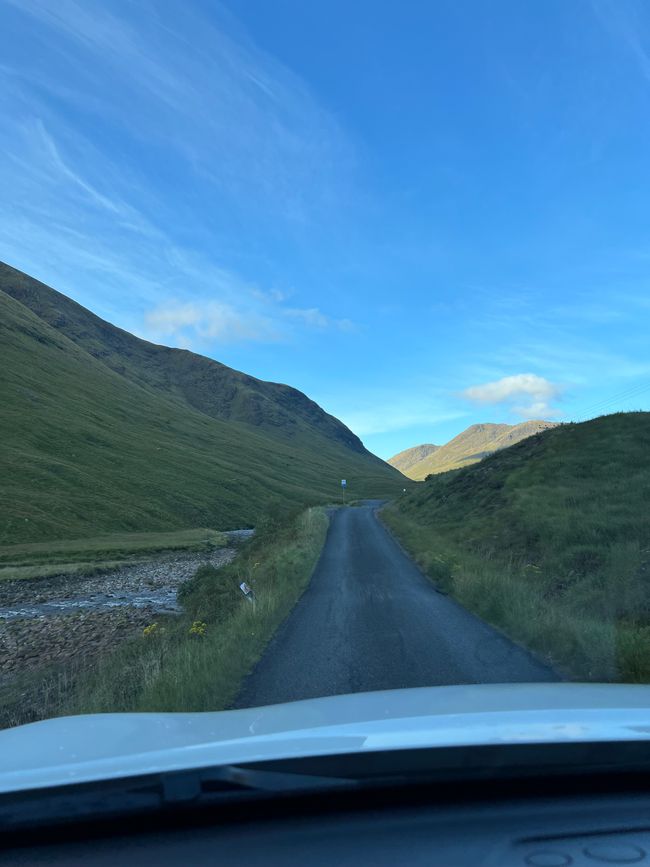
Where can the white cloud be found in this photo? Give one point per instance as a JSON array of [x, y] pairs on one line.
[[512, 386], [315, 318], [537, 392], [271, 296], [312, 316], [538, 409], [184, 322], [201, 323]]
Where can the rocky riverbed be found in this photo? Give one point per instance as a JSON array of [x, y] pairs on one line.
[[150, 585], [72, 619]]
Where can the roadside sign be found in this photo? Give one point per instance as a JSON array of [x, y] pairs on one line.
[[344, 483], [247, 591]]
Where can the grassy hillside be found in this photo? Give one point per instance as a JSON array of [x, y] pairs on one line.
[[189, 379], [472, 445], [550, 540], [89, 448], [403, 461]]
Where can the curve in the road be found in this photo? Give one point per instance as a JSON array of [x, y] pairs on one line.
[[371, 620]]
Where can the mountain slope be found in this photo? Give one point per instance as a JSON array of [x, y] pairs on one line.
[[202, 383], [103, 432], [474, 444], [550, 540], [403, 461]]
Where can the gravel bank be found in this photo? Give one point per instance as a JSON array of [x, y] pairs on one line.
[[152, 585], [70, 620]]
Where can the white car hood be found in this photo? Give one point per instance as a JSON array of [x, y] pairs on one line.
[[79, 749]]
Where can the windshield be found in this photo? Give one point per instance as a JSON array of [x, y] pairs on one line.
[[323, 351]]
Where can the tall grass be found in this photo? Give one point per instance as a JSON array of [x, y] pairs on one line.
[[174, 670], [549, 541]]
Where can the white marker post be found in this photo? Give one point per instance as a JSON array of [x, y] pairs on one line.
[[247, 591], [344, 484]]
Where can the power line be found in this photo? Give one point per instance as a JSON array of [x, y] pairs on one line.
[[601, 405], [629, 392], [623, 397]]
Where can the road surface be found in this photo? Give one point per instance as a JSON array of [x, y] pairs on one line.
[[371, 620]]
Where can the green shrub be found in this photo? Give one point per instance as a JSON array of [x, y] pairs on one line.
[[211, 594]]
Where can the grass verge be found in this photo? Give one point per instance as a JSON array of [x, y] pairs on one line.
[[549, 541], [509, 597], [197, 662]]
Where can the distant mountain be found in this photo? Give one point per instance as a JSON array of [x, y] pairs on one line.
[[471, 446], [403, 461], [103, 432]]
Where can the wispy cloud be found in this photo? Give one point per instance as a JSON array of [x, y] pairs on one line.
[[168, 75], [536, 392], [388, 418], [67, 173], [184, 323], [397, 406], [570, 339], [315, 318], [629, 23], [134, 136]]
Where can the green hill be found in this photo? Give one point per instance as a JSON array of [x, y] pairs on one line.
[[403, 461], [471, 446], [550, 540], [104, 432]]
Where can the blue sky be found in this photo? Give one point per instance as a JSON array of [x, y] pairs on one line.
[[422, 214]]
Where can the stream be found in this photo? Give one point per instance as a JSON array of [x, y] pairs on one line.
[[150, 585]]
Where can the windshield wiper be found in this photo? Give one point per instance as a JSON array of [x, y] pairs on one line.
[[129, 795]]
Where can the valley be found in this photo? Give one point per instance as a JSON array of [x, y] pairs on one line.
[[126, 466]]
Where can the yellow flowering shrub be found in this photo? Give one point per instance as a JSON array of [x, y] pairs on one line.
[[198, 627]]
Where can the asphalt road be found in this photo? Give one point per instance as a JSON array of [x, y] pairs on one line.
[[371, 620]]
